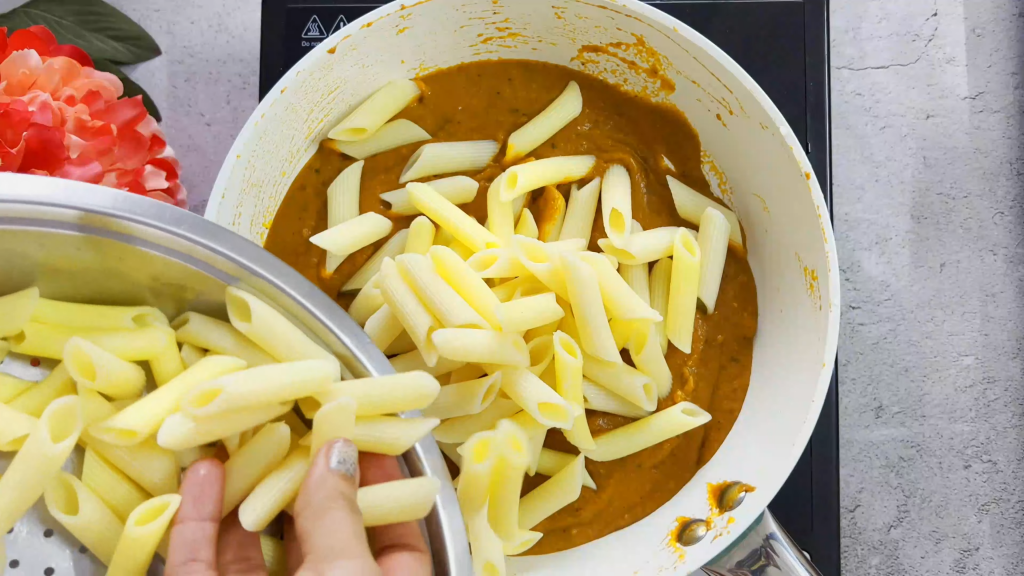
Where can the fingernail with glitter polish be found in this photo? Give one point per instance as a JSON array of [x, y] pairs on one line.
[[344, 459]]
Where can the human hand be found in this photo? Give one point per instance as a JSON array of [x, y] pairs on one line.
[[326, 536]]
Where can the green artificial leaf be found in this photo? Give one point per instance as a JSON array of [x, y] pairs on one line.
[[93, 25], [130, 87]]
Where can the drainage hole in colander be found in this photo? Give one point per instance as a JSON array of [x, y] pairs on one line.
[[47, 533], [14, 564], [48, 572], [83, 550]]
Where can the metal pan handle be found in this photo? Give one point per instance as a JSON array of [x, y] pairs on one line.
[[765, 545]]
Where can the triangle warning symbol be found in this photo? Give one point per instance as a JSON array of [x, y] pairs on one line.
[[314, 29], [340, 23]]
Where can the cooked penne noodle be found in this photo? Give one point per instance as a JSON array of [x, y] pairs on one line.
[[661, 277], [588, 309], [271, 331], [691, 205], [622, 379], [48, 341], [40, 459], [218, 337], [440, 299], [274, 555], [231, 444], [390, 435], [95, 368], [542, 352], [167, 364], [191, 354], [16, 310], [536, 398], [542, 261], [500, 215], [258, 387], [478, 456], [458, 274], [536, 433], [569, 385], [561, 490], [94, 407], [488, 552], [617, 203], [462, 226], [552, 462], [401, 345], [467, 373], [335, 419], [464, 398], [394, 134], [406, 500], [682, 298], [448, 157], [383, 327], [713, 239], [298, 428], [143, 530], [355, 234], [619, 299], [393, 247], [457, 430], [273, 493], [390, 394], [84, 515], [482, 346], [95, 316], [119, 492], [623, 330], [143, 418], [496, 263], [543, 126], [37, 397], [151, 466], [11, 387], [14, 428], [180, 431], [647, 432], [645, 351], [506, 291], [523, 178], [414, 316], [641, 247], [636, 275], [368, 118], [342, 205], [543, 330], [421, 236], [365, 304], [580, 212], [506, 485], [527, 226], [254, 461], [551, 206], [601, 399], [414, 361], [455, 189]]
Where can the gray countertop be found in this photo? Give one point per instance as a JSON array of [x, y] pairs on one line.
[[929, 199]]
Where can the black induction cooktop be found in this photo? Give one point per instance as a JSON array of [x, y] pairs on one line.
[[783, 45]]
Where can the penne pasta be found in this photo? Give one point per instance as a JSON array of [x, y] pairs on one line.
[[488, 553], [16, 310], [375, 111], [143, 418], [617, 203], [500, 215], [11, 387], [536, 433], [48, 341], [496, 263], [645, 351], [536, 398], [561, 490], [482, 346], [421, 236], [191, 354], [466, 373], [623, 330], [542, 261], [14, 428], [180, 431], [461, 277], [119, 492], [641, 247], [713, 240], [462, 226], [143, 530], [523, 178], [604, 400], [274, 555], [84, 515], [414, 361], [682, 298], [440, 299], [506, 485], [37, 397], [455, 189], [647, 432], [569, 385], [401, 345], [96, 317], [342, 205], [506, 291], [691, 206], [588, 309], [478, 456], [40, 459], [253, 462], [97, 369], [580, 212], [390, 435], [464, 398], [298, 428], [272, 332], [167, 363], [527, 226], [148, 464], [661, 276], [551, 206], [397, 501], [543, 126], [218, 337], [383, 327], [365, 304], [622, 379], [552, 462], [459, 429], [413, 315], [394, 246], [447, 158], [394, 134], [355, 234], [637, 275], [542, 352], [257, 388], [390, 394], [619, 299], [273, 493], [335, 419]]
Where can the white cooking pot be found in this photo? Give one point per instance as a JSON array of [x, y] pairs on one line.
[[752, 160]]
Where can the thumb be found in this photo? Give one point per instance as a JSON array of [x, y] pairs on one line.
[[328, 523]]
